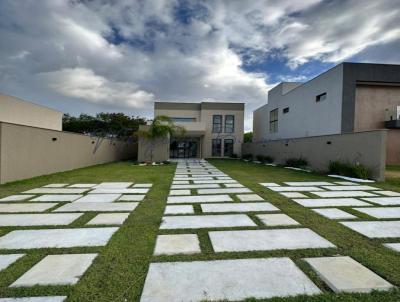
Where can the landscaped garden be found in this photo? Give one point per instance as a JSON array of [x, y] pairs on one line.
[[247, 197]]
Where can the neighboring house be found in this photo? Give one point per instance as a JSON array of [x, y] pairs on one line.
[[212, 130], [349, 98]]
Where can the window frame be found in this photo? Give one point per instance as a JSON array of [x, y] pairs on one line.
[[214, 124], [216, 154], [232, 127], [232, 142], [273, 120], [321, 97], [285, 110]]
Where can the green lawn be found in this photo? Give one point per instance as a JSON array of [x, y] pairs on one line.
[[118, 273]]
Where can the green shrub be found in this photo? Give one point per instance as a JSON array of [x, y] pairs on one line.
[[296, 162], [247, 156], [351, 170], [265, 158]]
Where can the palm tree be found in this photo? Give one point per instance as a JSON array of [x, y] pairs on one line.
[[161, 127]]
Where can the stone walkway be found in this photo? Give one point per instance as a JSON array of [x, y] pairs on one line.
[[63, 204]]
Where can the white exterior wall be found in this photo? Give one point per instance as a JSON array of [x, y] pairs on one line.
[[306, 117]]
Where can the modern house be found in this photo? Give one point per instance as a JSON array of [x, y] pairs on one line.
[[212, 130]]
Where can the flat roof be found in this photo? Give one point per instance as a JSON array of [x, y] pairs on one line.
[[198, 106]]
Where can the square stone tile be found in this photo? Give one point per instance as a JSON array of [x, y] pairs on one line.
[[238, 207], [195, 186], [199, 199], [109, 219], [344, 274], [179, 192], [99, 198], [387, 193], [223, 191], [205, 221], [177, 244], [55, 186], [114, 185], [38, 219], [56, 191], [25, 207], [98, 207], [277, 220], [394, 246], [180, 182], [334, 194], [249, 197], [35, 299], [233, 185], [64, 269], [7, 260], [295, 189], [381, 212], [384, 201], [293, 195], [375, 229], [350, 188], [334, 213], [16, 198], [307, 183], [131, 198], [148, 185], [120, 191], [82, 186], [57, 197], [269, 184], [227, 280], [330, 202], [181, 209], [267, 240], [57, 238]]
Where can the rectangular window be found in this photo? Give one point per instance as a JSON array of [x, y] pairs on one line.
[[228, 147], [217, 124], [286, 110], [216, 147], [229, 123], [273, 121], [321, 97], [183, 119]]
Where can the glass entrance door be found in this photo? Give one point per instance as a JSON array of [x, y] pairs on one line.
[[183, 148]]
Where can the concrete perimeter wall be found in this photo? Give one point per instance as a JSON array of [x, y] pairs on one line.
[[29, 151], [367, 148]]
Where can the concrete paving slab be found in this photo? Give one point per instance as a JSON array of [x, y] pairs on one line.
[[344, 274], [64, 269], [381, 212], [82, 185], [98, 198], [56, 191], [131, 198], [35, 299], [352, 178], [334, 213], [215, 181], [387, 193], [25, 207], [346, 183], [375, 229], [120, 191], [195, 186], [177, 244], [307, 183], [239, 207], [192, 178], [277, 220], [234, 185], [249, 197], [113, 185], [55, 186], [394, 246], [146, 185], [267, 240], [293, 195], [269, 184], [384, 201], [223, 191], [98, 207], [330, 202], [38, 219], [295, 189], [179, 192], [7, 260], [205, 221], [109, 219], [228, 280], [57, 197], [199, 199], [57, 238], [181, 209], [180, 182], [334, 194], [350, 188], [16, 198]]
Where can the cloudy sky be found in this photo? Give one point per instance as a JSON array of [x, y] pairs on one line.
[[122, 55]]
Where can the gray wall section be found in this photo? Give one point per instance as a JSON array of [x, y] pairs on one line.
[[152, 151], [367, 148], [29, 151]]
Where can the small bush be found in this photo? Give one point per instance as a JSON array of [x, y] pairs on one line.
[[296, 162], [265, 158], [247, 156], [351, 170]]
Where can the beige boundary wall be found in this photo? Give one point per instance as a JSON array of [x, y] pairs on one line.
[[29, 151], [367, 148]]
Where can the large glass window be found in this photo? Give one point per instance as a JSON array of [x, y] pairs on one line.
[[228, 147], [273, 121], [216, 147], [183, 119], [229, 123], [217, 124]]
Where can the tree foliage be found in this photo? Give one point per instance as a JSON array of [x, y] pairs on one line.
[[248, 137]]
